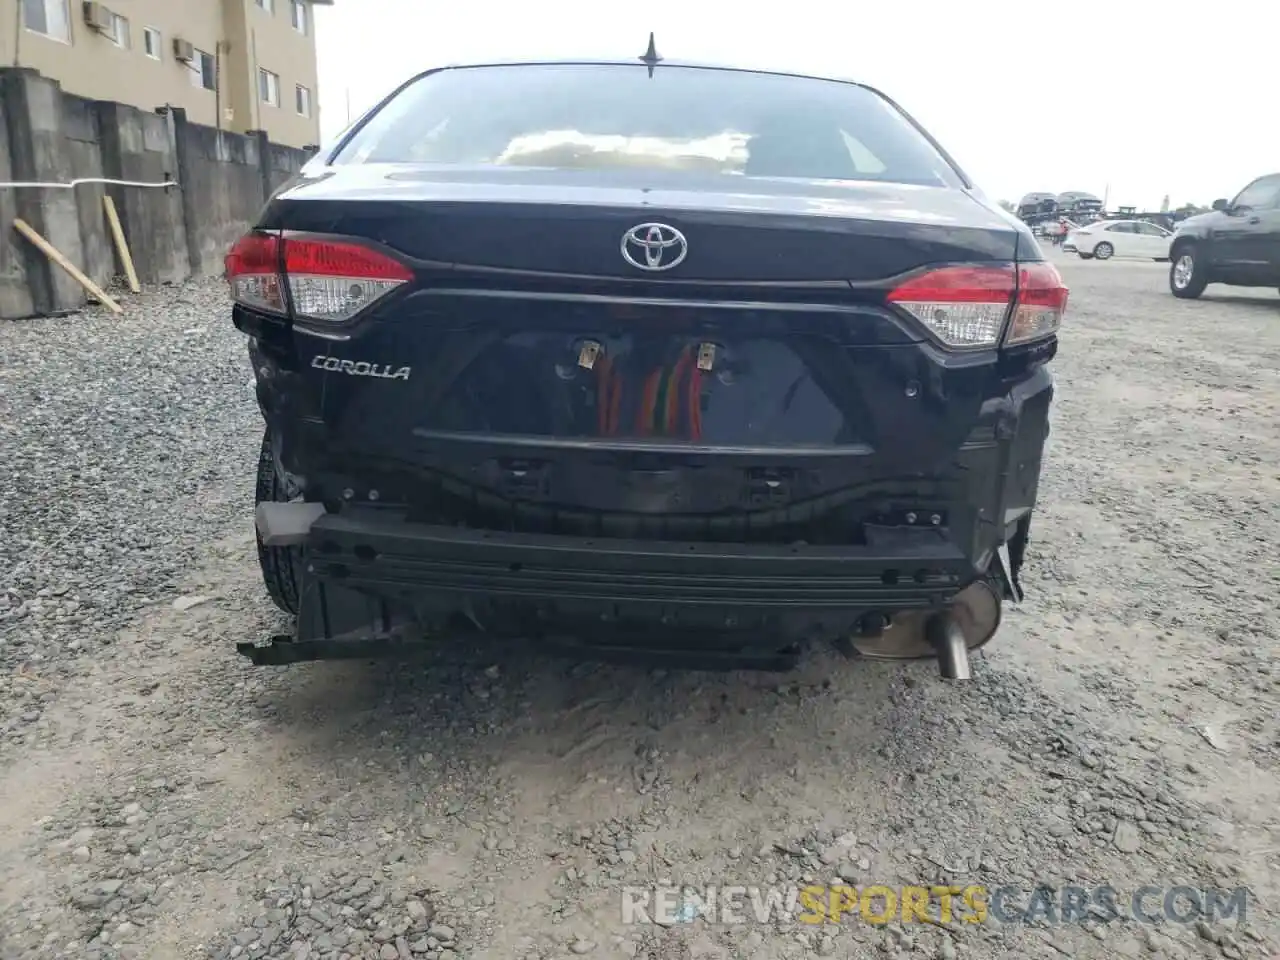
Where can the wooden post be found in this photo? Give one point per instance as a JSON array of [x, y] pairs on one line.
[[122, 247], [52, 252]]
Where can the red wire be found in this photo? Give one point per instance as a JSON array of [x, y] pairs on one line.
[[610, 397], [673, 389]]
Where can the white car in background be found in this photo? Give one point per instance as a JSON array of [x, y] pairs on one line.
[[1105, 239]]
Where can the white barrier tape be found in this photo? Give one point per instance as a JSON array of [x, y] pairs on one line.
[[75, 183]]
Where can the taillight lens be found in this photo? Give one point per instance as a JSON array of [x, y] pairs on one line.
[[1042, 301], [328, 280], [968, 306], [253, 271], [963, 306], [334, 281]]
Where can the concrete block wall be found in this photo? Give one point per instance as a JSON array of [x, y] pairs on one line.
[[282, 163], [139, 146], [223, 190], [50, 136], [38, 152], [84, 153], [15, 292]]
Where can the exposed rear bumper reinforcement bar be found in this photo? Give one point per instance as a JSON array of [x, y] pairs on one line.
[[391, 555], [372, 581]]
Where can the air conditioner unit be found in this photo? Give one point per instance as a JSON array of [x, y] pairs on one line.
[[98, 17], [183, 50]]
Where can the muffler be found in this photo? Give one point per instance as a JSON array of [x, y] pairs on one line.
[[947, 635]]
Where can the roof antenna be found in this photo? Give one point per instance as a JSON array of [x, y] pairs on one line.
[[650, 57]]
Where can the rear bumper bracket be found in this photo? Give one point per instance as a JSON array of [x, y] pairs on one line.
[[283, 649], [286, 524]]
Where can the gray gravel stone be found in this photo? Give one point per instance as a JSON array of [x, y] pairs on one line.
[[1127, 838]]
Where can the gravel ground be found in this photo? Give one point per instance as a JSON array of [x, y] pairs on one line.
[[161, 798]]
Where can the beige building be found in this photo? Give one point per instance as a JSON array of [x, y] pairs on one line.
[[236, 64]]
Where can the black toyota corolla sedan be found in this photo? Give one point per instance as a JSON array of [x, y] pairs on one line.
[[643, 360]]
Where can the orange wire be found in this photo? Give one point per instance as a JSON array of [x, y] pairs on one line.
[[644, 419]]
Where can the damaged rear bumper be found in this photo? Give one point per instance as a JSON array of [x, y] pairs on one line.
[[374, 583], [373, 580]]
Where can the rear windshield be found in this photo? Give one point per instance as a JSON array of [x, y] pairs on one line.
[[590, 116]]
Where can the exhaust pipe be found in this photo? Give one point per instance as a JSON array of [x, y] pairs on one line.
[[947, 635], [948, 640]]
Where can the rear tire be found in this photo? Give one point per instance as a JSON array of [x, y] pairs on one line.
[[1187, 278], [279, 564], [1104, 251]]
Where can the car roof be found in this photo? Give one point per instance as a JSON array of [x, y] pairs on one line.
[[638, 62]]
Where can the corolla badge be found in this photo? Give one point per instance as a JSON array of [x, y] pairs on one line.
[[359, 368], [654, 246]]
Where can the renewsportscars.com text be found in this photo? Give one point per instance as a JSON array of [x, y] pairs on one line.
[[973, 904]]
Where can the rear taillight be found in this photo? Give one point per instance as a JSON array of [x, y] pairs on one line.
[[253, 271], [327, 280], [968, 306], [963, 306], [1042, 301]]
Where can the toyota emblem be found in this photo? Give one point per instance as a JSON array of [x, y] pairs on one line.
[[654, 246]]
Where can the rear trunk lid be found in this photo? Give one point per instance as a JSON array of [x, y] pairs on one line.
[[755, 230]]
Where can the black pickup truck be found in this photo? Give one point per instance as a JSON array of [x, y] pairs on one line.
[[1237, 243]]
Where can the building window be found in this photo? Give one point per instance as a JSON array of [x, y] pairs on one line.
[[203, 71], [151, 42], [52, 18], [303, 96], [119, 32], [269, 87], [208, 71], [300, 16], [267, 5]]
